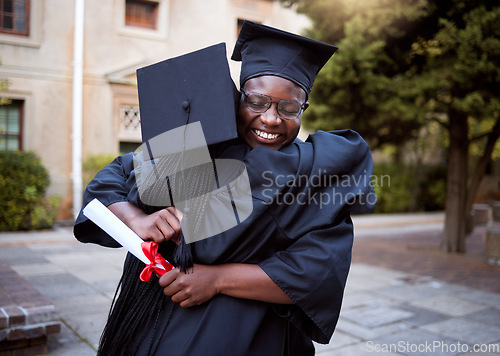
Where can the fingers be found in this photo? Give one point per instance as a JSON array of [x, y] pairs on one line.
[[169, 277], [178, 291], [173, 222], [164, 231], [178, 214], [175, 289], [163, 225], [185, 299]]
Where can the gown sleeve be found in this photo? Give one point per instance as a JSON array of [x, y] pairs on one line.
[[111, 185], [314, 212]]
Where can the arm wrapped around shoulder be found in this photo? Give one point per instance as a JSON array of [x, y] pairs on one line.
[[110, 185], [344, 168]]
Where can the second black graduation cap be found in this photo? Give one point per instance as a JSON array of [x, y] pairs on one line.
[[193, 87], [266, 50]]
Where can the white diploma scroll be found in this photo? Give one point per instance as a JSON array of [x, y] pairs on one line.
[[114, 227]]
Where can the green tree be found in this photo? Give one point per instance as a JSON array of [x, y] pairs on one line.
[[367, 87], [460, 86], [402, 63]]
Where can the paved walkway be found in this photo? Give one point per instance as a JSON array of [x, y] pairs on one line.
[[404, 296]]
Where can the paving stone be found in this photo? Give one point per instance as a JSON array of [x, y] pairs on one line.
[[35, 269], [67, 343], [418, 342], [83, 304], [368, 285], [367, 333], [17, 255], [60, 285], [360, 349], [486, 316], [422, 316], [408, 292], [74, 260], [4, 321], [52, 328], [52, 248], [465, 330], [475, 295], [375, 316], [363, 284], [87, 323], [106, 286], [419, 253], [16, 315], [362, 298], [487, 350], [113, 256], [448, 305], [372, 272], [41, 314], [93, 338], [110, 295], [339, 339], [92, 275]]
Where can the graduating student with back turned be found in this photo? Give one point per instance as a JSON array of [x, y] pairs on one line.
[[273, 282]]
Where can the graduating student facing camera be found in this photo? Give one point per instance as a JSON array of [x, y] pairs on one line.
[[273, 282]]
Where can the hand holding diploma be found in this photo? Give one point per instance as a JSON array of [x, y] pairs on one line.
[[146, 251]]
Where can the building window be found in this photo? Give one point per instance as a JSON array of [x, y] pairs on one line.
[[130, 128], [11, 125], [14, 17], [130, 121], [141, 13]]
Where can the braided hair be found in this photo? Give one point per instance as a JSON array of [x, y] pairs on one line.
[[135, 309]]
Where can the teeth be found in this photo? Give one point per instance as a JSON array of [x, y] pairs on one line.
[[266, 135]]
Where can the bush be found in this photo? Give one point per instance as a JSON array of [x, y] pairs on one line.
[[93, 164], [23, 183], [433, 188], [408, 188]]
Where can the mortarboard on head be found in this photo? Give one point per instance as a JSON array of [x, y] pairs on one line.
[[265, 50], [195, 87]]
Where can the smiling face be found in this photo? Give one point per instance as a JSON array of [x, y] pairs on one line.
[[268, 128]]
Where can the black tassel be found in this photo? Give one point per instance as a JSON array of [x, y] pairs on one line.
[[183, 257]]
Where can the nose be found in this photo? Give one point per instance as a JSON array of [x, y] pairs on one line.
[[271, 117]]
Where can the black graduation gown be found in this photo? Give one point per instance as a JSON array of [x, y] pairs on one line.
[[300, 233]]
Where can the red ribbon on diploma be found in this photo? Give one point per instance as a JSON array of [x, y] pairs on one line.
[[150, 249]]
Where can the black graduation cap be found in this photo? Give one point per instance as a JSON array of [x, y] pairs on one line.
[[265, 50], [175, 97], [193, 87]]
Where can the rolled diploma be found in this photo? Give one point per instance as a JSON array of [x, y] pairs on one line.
[[114, 227]]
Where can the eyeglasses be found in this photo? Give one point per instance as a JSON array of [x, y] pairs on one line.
[[260, 103]]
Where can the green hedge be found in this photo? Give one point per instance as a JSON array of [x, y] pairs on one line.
[[23, 183], [406, 188], [93, 164]]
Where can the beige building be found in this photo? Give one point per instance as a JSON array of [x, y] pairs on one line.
[[36, 55]]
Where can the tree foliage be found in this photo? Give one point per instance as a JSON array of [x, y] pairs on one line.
[[366, 86], [460, 85], [402, 64]]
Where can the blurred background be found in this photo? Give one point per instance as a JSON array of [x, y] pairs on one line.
[[417, 78]]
